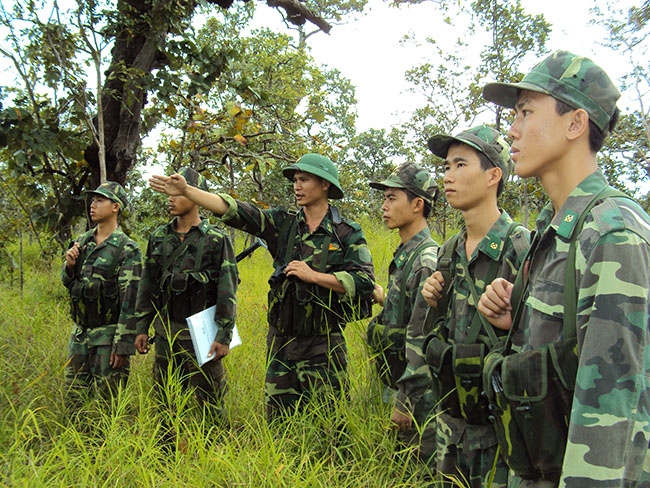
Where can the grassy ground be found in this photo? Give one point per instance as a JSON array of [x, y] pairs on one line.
[[118, 446]]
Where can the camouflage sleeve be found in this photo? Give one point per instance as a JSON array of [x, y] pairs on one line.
[[358, 278], [145, 307], [416, 379], [609, 427], [128, 279], [226, 309]]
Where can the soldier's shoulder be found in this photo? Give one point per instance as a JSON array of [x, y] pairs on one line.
[[618, 214]]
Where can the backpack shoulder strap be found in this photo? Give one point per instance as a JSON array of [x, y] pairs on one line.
[[406, 272]]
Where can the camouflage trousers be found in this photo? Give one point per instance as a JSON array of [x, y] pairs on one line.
[[88, 370], [178, 359], [302, 369], [468, 454]]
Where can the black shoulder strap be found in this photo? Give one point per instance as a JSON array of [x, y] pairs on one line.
[[288, 229], [168, 259], [478, 321], [405, 272], [444, 266]]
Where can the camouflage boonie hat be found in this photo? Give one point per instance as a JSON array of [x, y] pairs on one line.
[[113, 191], [572, 79], [321, 166], [484, 139], [193, 178], [413, 178]]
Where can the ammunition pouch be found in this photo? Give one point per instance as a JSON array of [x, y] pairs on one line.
[[530, 397], [184, 294], [95, 303], [297, 308]]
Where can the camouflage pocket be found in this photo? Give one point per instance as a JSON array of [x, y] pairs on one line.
[[438, 354], [531, 398], [468, 360]]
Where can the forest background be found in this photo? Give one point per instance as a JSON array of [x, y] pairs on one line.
[[114, 90]]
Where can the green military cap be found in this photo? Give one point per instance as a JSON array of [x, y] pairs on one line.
[[572, 79], [193, 178], [413, 178], [484, 139], [319, 165], [113, 191]]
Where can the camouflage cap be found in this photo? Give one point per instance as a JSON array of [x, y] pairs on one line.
[[413, 178], [484, 139], [113, 191], [572, 79], [194, 178], [318, 165]]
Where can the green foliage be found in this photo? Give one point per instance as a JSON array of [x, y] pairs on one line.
[[349, 445]]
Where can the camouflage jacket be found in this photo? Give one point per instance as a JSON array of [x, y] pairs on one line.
[[462, 308], [416, 378], [609, 426], [348, 256], [102, 291], [176, 285]]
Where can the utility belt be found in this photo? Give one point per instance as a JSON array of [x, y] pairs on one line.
[[301, 309], [95, 303], [457, 371], [530, 398]]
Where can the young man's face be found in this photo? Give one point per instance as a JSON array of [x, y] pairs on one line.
[[309, 189], [538, 134], [397, 210], [102, 208], [466, 184], [180, 206]]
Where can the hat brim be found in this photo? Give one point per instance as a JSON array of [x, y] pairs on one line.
[[382, 185], [507, 94], [439, 145], [104, 194], [335, 191]]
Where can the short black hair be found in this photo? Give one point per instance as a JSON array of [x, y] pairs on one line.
[[426, 211], [596, 136]]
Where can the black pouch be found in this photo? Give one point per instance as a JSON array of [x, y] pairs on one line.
[[468, 361], [531, 395], [439, 355]]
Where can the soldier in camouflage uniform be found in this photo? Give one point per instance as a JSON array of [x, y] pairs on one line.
[[101, 272], [563, 110], [396, 334], [477, 165], [189, 266], [322, 268]]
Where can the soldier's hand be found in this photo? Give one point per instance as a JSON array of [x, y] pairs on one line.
[[173, 185], [142, 343], [118, 361], [301, 270], [218, 351], [401, 420], [494, 304], [378, 294], [432, 289], [71, 256]]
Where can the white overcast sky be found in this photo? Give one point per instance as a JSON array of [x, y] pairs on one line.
[[368, 50]]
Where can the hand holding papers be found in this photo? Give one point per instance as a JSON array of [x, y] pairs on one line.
[[203, 330]]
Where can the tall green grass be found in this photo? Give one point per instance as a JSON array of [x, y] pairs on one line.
[[347, 444]]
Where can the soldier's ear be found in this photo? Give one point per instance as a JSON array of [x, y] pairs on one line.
[[579, 124]]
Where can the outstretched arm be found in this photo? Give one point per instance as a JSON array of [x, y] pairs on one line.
[[176, 185]]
